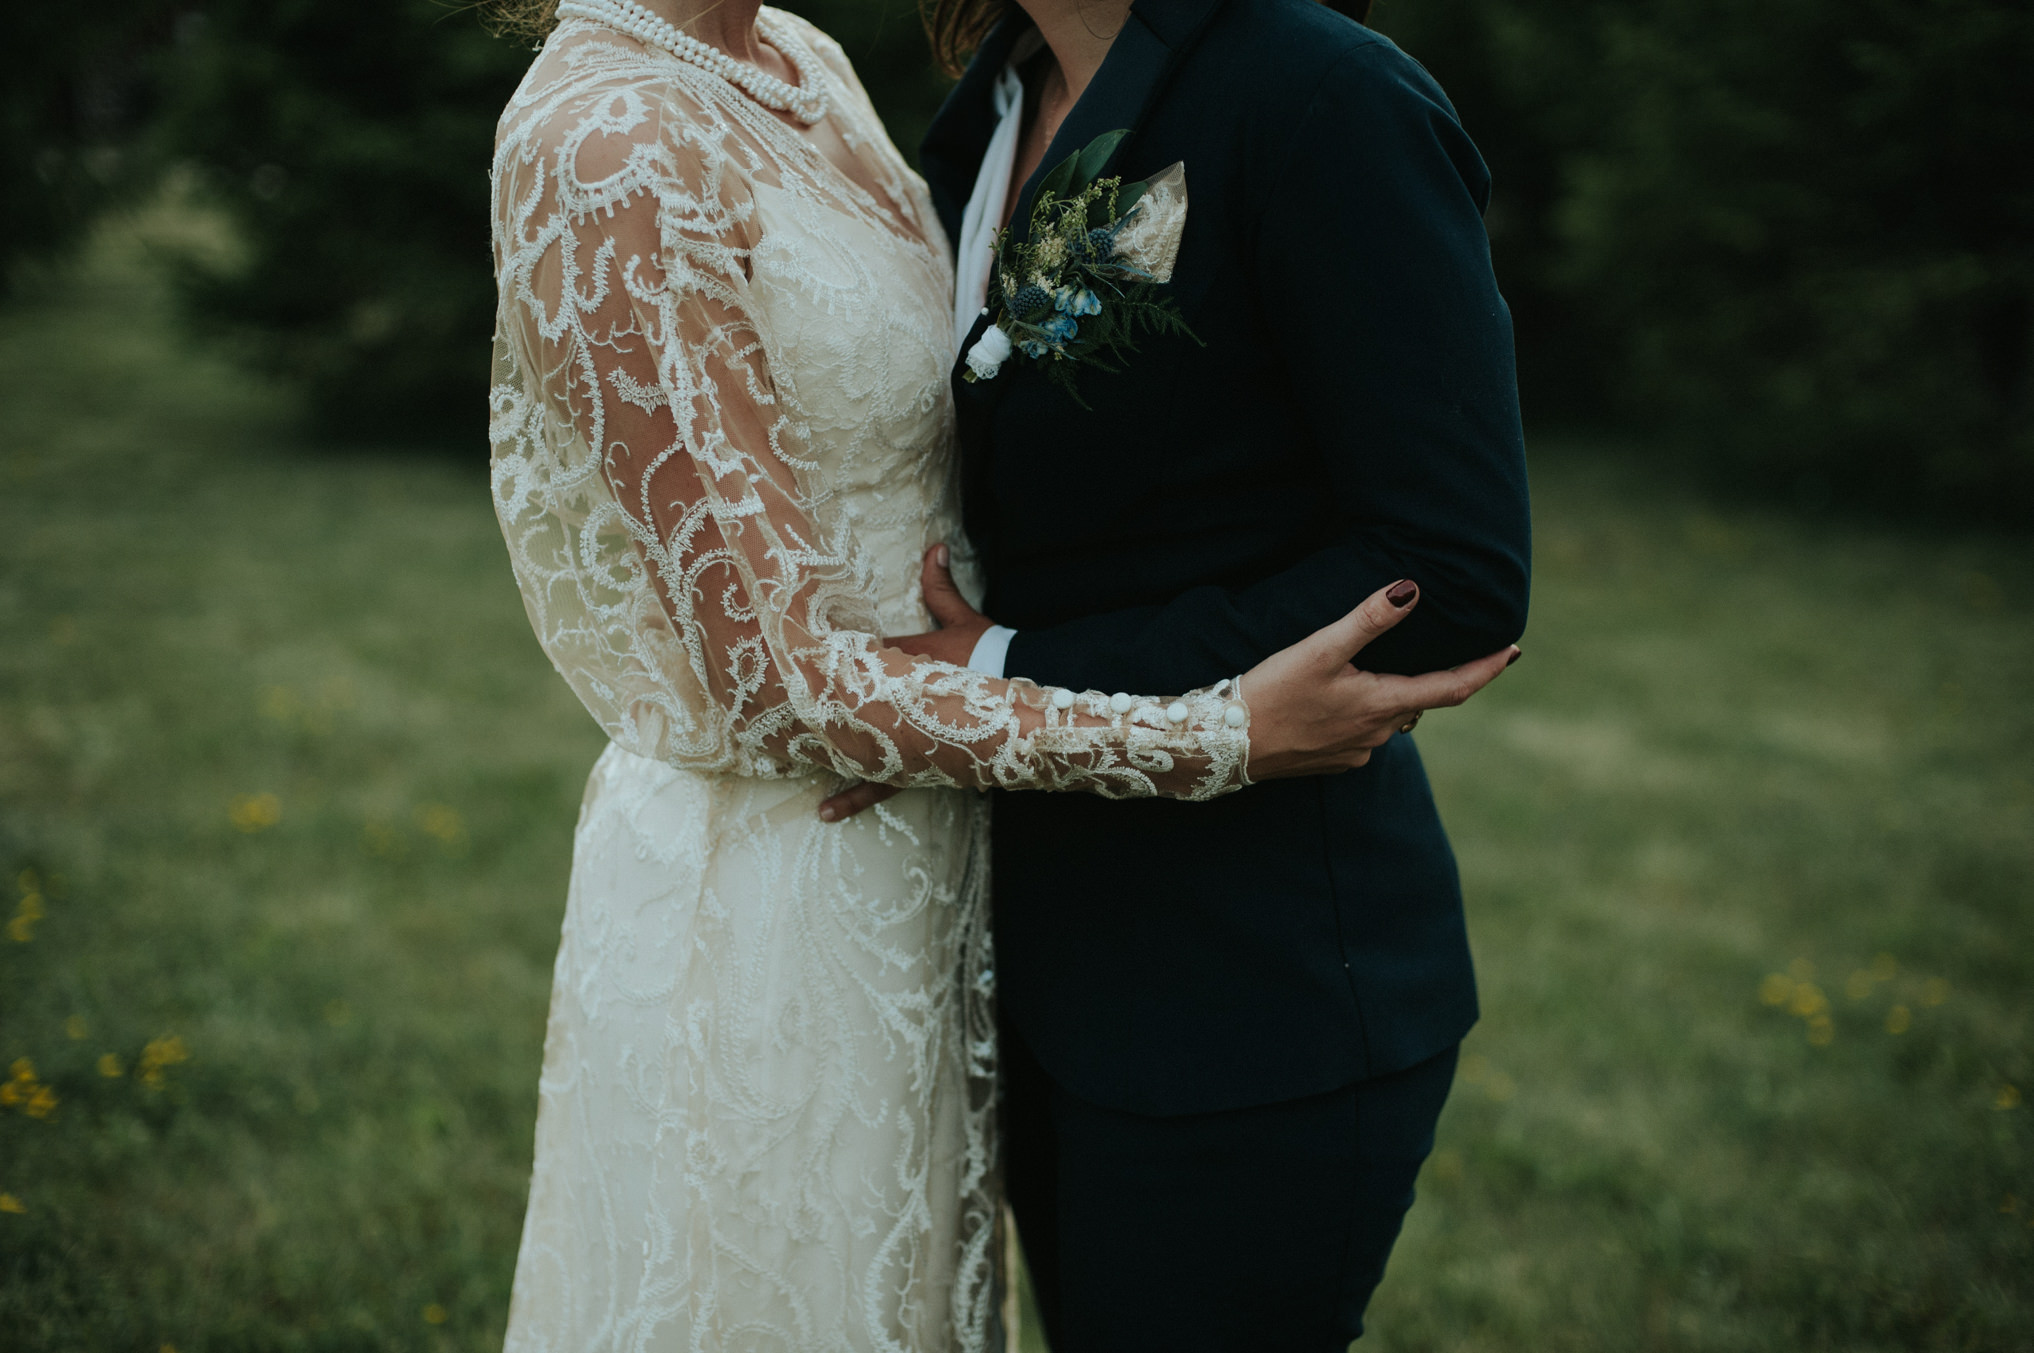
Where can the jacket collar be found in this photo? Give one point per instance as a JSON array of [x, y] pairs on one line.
[[1132, 76], [1122, 94]]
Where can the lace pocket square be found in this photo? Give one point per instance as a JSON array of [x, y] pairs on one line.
[[1149, 240]]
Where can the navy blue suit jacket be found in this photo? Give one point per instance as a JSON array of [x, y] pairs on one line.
[[1352, 420]]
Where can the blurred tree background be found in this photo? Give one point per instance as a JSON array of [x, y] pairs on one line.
[[1792, 241], [348, 146]]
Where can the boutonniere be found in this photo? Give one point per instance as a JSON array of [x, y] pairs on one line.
[[1089, 276]]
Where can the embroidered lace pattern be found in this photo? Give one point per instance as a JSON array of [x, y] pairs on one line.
[[721, 439]]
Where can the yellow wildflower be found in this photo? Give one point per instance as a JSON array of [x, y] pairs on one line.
[[1898, 1018], [165, 1051], [21, 1087], [75, 1028], [1808, 1000], [442, 822], [1821, 1031], [1776, 989], [2007, 1098], [110, 1065], [9, 1203], [22, 928], [160, 1052], [254, 812], [1858, 985], [434, 1314]]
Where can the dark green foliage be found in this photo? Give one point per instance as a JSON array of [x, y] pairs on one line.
[[68, 114], [350, 144], [1799, 233], [1796, 235]]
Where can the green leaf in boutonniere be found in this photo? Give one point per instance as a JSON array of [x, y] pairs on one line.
[[1079, 169], [1089, 161]]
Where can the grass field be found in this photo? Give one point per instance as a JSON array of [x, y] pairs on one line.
[[286, 792]]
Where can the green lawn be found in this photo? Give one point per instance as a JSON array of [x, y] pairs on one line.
[[286, 795]]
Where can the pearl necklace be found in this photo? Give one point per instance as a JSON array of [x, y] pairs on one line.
[[805, 100]]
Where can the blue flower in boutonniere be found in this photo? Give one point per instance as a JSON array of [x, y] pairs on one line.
[[1087, 276], [1076, 301]]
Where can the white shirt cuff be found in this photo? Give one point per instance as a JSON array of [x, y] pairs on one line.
[[992, 650]]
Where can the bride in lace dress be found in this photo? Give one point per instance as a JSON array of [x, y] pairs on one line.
[[721, 437]]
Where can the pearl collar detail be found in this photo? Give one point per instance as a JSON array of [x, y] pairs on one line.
[[805, 100]]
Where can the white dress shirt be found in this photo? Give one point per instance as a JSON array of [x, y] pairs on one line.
[[976, 258]]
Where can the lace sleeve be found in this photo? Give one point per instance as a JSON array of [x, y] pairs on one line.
[[666, 515]]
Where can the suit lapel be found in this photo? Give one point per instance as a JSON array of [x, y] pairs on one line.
[[1124, 90], [1122, 94]]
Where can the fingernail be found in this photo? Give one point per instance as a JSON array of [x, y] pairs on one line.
[[1516, 654], [828, 814], [1402, 593], [942, 556]]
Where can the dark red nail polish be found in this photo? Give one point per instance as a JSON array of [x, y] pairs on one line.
[[1516, 654], [1402, 593]]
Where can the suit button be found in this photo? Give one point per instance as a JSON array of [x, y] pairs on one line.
[[1176, 712], [1121, 703], [1235, 716], [1062, 699]]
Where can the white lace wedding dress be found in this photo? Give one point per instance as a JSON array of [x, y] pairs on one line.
[[721, 432]]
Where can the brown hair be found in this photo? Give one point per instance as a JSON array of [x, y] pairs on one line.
[[957, 27]]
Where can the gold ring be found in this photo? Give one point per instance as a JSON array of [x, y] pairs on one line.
[[1408, 725]]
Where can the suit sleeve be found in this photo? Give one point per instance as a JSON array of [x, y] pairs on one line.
[[1372, 274]]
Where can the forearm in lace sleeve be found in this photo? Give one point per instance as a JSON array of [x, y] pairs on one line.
[[663, 506]]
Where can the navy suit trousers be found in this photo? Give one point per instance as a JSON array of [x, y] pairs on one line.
[[1256, 1230]]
